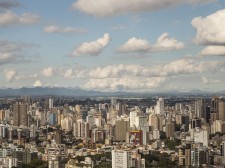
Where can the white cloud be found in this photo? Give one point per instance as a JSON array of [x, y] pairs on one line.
[[213, 51], [37, 83], [10, 75], [58, 29], [47, 72], [210, 81], [103, 8], [69, 74], [9, 18], [165, 43], [210, 30], [125, 83], [177, 67], [92, 48], [135, 45]]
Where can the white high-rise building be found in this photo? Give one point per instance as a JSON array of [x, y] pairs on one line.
[[50, 103], [121, 159], [201, 136], [67, 123], [159, 108], [133, 118]]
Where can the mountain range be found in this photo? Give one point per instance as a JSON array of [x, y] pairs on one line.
[[77, 92]]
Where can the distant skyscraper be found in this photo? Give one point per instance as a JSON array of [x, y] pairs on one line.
[[154, 121], [52, 119], [222, 150], [221, 109], [214, 110], [170, 129], [121, 128], [50, 103], [159, 108], [199, 108], [113, 101], [20, 114], [133, 118]]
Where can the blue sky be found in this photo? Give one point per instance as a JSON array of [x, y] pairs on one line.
[[111, 45]]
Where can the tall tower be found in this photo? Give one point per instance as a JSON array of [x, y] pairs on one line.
[[199, 108], [20, 114], [160, 106], [214, 110], [50, 103], [221, 109]]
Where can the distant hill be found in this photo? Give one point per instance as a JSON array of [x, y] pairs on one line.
[[77, 92], [57, 91]]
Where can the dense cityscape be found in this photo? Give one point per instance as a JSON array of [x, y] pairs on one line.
[[112, 84], [60, 132]]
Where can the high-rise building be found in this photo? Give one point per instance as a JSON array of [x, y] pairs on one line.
[[121, 128], [20, 116], [207, 113], [201, 136], [121, 159], [154, 121], [199, 155], [221, 109], [51, 103], [184, 154], [222, 150], [113, 101], [159, 108], [133, 118], [214, 110], [170, 129], [2, 115], [195, 122], [52, 119], [199, 108]]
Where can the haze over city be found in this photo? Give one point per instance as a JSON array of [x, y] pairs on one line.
[[108, 45]]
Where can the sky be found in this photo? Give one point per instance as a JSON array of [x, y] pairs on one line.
[[113, 45]]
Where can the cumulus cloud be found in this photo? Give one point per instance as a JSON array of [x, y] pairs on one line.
[[135, 77], [48, 72], [58, 29], [177, 67], [125, 83], [69, 74], [10, 75], [163, 43], [37, 83], [92, 48], [6, 4], [213, 51], [9, 18], [210, 29], [205, 80], [104, 8], [135, 45]]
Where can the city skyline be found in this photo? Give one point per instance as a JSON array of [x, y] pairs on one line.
[[108, 45]]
